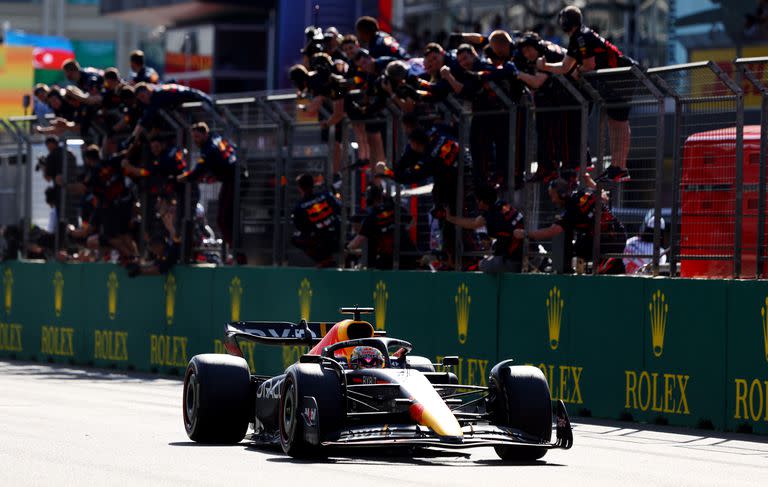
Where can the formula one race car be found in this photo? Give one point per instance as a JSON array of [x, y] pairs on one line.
[[359, 388]]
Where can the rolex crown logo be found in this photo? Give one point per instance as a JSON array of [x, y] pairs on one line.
[[463, 301], [112, 285], [380, 298], [305, 299], [58, 292], [8, 290], [659, 308], [170, 298], [235, 298], [763, 312], [555, 305]]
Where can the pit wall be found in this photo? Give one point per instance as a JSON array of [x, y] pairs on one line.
[[680, 352]]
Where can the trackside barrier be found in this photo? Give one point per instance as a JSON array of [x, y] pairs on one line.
[[686, 352]]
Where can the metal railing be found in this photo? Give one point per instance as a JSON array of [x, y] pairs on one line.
[[692, 164]]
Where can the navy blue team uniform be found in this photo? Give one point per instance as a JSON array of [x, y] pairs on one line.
[[578, 220], [559, 132], [145, 75], [170, 96], [378, 228], [318, 226], [501, 220], [586, 43], [384, 44], [218, 162], [489, 134], [91, 81]]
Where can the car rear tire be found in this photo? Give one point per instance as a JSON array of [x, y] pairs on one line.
[[217, 398], [521, 400], [302, 380]]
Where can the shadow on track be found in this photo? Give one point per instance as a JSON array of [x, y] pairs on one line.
[[56, 371]]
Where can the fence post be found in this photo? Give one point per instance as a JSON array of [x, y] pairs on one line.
[[390, 114], [23, 135], [346, 190], [23, 172], [659, 164], [739, 186], [677, 158], [600, 105], [186, 217], [742, 64], [464, 123]]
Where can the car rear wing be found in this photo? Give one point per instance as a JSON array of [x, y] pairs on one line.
[[276, 333]]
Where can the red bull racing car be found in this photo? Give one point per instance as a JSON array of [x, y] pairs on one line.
[[356, 387]]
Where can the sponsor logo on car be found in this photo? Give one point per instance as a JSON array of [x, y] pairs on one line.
[[463, 301], [310, 416], [269, 389]]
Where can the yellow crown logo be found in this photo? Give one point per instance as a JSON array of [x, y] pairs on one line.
[[659, 308], [58, 292], [112, 285], [8, 288], [765, 328], [380, 298], [463, 301], [305, 299], [555, 305], [235, 298], [170, 298]]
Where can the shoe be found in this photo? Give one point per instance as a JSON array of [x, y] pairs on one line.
[[614, 174]]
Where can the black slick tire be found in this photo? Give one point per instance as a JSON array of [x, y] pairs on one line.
[[521, 400], [217, 400], [302, 380]]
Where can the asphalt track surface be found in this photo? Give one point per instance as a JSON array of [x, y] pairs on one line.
[[69, 426]]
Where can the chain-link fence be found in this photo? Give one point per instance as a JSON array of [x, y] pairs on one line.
[[629, 134], [755, 148], [708, 200]]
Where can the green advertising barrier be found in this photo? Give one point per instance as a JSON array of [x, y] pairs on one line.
[[625, 348], [746, 387], [683, 352], [577, 333]]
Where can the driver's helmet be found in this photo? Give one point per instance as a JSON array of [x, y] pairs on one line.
[[366, 358]]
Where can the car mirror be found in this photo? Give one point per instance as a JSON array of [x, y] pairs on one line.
[[450, 361]]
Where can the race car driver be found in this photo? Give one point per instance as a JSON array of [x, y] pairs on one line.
[[366, 358]]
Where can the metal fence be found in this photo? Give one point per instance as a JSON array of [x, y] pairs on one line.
[[693, 163]]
